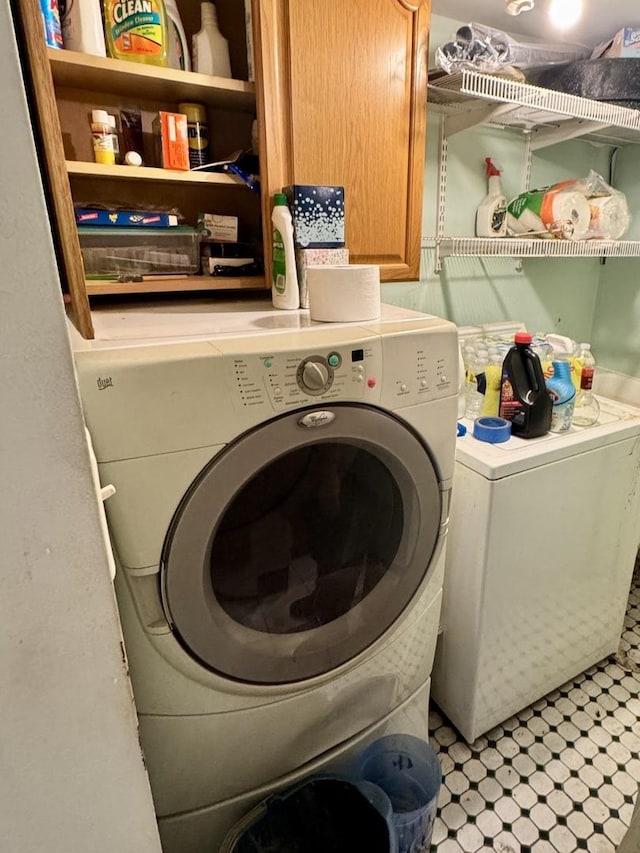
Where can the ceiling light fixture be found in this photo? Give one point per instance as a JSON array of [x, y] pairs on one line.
[[565, 13], [515, 7]]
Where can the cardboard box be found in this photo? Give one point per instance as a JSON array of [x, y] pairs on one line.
[[625, 43], [315, 257], [318, 216], [214, 226], [172, 140], [128, 218]]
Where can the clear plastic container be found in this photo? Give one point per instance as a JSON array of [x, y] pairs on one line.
[[587, 409], [475, 365], [149, 251]]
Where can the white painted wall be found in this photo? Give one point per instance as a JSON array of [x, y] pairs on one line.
[[71, 773]]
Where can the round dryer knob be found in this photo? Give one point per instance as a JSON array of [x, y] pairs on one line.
[[315, 375]]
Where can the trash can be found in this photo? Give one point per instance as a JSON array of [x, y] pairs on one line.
[[409, 772], [319, 814]]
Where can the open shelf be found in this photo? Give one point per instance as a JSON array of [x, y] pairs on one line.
[[74, 70], [473, 97], [517, 247], [178, 284], [83, 168]]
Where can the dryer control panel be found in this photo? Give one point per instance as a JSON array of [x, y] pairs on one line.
[[394, 365], [287, 380]]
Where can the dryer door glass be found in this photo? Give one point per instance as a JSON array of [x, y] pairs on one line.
[[308, 538], [299, 546]]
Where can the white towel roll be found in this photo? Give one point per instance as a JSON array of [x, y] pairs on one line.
[[610, 217], [570, 214], [344, 293]]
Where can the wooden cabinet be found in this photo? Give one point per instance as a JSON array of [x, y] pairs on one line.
[[343, 102], [340, 98]]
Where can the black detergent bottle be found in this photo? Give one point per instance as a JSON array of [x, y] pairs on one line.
[[524, 398]]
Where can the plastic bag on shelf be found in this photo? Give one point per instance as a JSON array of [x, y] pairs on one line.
[[480, 48], [579, 209]]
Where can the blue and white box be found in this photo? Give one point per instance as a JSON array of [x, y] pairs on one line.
[[318, 216]]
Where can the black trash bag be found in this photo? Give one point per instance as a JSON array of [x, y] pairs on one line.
[[319, 816]]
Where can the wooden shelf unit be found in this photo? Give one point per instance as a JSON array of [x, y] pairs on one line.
[[180, 284], [67, 85], [82, 168], [74, 70], [363, 65]]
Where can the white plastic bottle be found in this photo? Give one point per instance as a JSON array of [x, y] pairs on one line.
[[587, 408], [284, 283], [210, 48], [177, 44], [491, 216], [82, 27]]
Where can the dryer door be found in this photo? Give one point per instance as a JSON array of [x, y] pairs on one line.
[[301, 543]]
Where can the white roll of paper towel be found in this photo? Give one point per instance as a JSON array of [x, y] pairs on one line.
[[344, 293]]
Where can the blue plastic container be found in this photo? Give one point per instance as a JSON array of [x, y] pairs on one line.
[[409, 772]]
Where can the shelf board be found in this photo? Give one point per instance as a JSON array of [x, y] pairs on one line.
[[75, 70], [175, 285], [85, 169], [516, 247], [472, 97]]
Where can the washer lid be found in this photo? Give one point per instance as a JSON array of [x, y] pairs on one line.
[[302, 543], [495, 461]]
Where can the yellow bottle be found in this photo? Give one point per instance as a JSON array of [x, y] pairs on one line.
[[136, 30]]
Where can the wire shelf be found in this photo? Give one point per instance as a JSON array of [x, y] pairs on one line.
[[514, 247], [533, 107]]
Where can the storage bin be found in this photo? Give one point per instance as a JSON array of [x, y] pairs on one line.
[[118, 251], [319, 814], [409, 773]]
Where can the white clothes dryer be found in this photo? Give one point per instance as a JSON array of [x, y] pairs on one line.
[[281, 506]]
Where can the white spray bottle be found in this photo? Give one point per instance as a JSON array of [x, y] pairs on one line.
[[491, 217]]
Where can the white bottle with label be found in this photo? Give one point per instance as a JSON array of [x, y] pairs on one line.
[[210, 48], [177, 46], [491, 216], [284, 281], [82, 27]]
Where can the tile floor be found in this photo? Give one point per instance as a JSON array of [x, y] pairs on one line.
[[560, 776]]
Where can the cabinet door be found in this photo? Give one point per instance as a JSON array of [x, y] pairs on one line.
[[342, 100], [49, 136]]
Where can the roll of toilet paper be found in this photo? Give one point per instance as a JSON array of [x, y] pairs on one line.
[[344, 293], [610, 217]]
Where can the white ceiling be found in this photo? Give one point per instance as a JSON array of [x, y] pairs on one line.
[[600, 20]]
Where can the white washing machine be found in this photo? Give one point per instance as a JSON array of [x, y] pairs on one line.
[[281, 505], [541, 549]]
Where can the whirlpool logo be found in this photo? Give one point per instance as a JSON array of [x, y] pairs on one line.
[[317, 419]]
